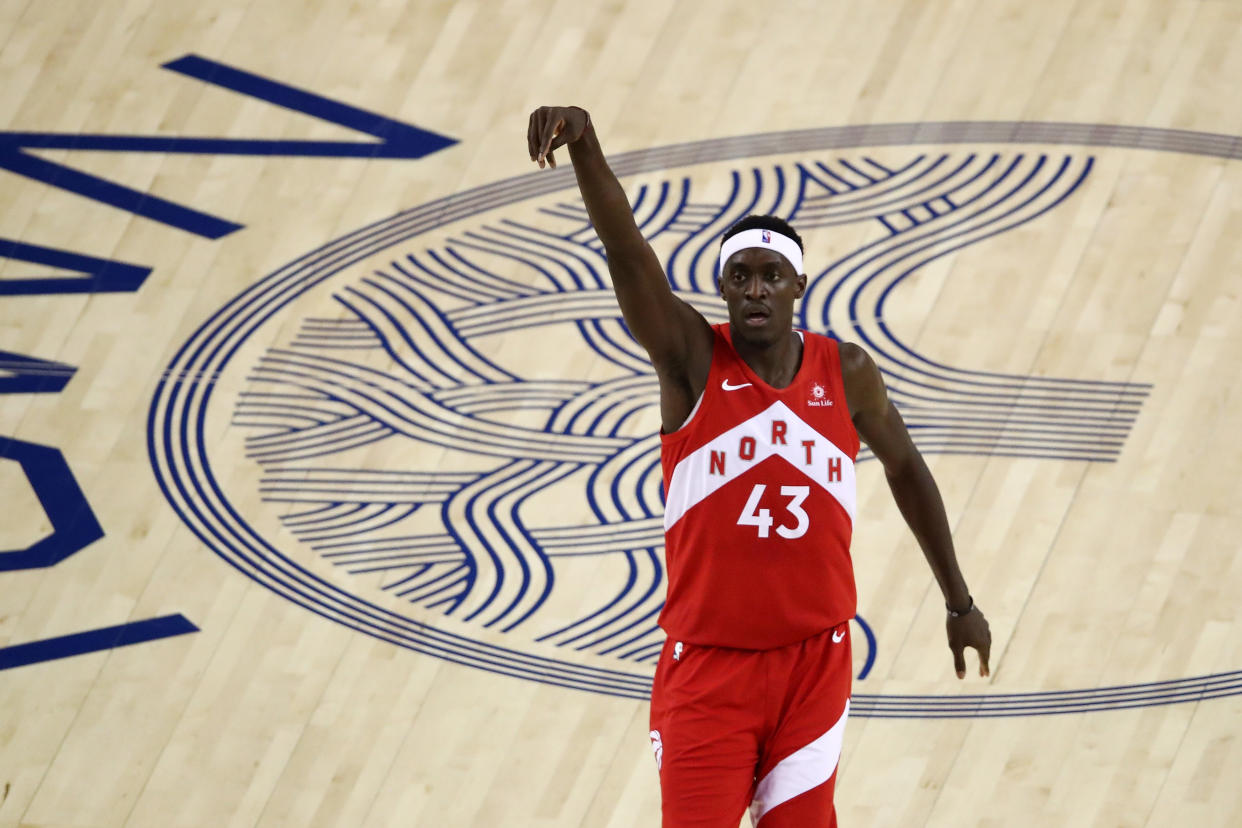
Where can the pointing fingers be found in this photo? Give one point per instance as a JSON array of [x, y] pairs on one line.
[[550, 130], [552, 127], [970, 630]]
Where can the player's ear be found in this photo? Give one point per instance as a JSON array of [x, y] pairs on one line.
[[720, 286], [801, 285]]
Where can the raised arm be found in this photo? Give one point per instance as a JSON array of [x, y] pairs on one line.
[[674, 334], [880, 426]]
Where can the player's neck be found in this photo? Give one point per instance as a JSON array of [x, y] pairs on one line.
[[775, 363]]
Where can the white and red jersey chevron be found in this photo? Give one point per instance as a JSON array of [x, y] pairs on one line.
[[759, 504]]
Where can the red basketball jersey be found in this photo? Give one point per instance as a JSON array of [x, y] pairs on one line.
[[759, 504]]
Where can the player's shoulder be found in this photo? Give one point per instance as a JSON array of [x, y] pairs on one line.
[[855, 361], [852, 355]]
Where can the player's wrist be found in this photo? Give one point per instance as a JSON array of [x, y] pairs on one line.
[[960, 608], [586, 125]]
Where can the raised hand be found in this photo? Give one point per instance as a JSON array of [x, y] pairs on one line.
[[552, 127], [969, 629]]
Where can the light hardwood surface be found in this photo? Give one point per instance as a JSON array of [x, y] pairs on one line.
[[1118, 569]]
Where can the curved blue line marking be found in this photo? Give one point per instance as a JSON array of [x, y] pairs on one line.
[[929, 419], [631, 579], [332, 339], [871, 647], [420, 571], [316, 539], [899, 392], [649, 630], [682, 203], [424, 591], [547, 477], [614, 352], [411, 545], [494, 440], [456, 590], [358, 442], [332, 520], [498, 566], [612, 610], [870, 178], [327, 437], [455, 288], [653, 586], [431, 334], [883, 169], [661, 200], [1058, 438], [506, 247], [357, 434], [883, 244], [494, 285], [317, 414], [359, 297], [556, 252], [324, 434], [867, 199], [735, 179], [333, 443], [836, 176], [937, 237], [294, 519], [1073, 188], [1032, 704], [274, 423], [643, 189]]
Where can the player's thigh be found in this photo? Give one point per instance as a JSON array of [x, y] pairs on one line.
[[706, 785], [798, 790], [810, 809], [705, 725], [798, 762]]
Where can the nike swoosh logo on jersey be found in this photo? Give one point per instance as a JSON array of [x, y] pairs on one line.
[[838, 636], [726, 386]]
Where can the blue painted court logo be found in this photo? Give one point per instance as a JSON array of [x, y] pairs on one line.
[[428, 429]]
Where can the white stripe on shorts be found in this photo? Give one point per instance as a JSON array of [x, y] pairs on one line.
[[804, 769]]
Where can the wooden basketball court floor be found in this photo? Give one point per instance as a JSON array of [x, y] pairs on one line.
[[268, 395]]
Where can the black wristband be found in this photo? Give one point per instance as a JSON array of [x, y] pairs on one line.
[[967, 611]]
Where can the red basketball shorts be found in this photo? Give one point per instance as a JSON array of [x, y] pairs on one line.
[[762, 729]]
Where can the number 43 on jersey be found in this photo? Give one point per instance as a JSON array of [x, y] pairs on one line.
[[762, 519]]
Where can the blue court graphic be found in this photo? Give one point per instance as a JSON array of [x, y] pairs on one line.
[[398, 361], [19, 154], [91, 641], [74, 526]]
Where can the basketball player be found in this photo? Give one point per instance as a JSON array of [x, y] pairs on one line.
[[760, 428]]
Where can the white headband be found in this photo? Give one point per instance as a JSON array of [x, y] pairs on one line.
[[769, 239]]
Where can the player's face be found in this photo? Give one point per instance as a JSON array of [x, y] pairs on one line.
[[760, 288]]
